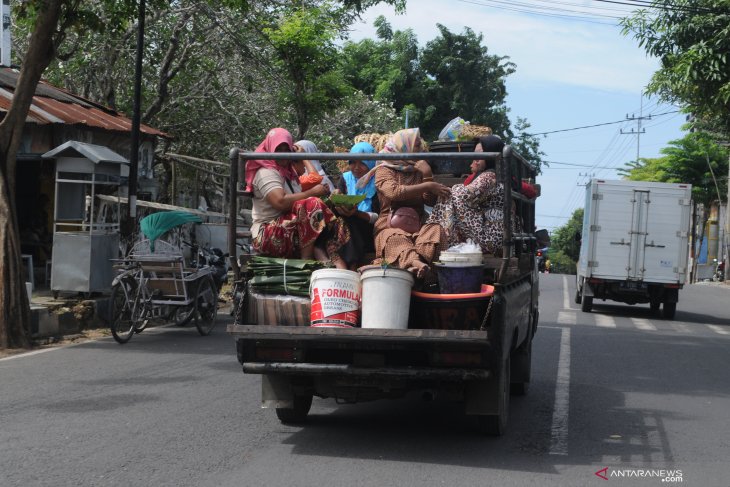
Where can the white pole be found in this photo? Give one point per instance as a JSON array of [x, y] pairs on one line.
[[5, 47]]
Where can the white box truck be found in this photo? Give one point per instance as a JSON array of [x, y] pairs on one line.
[[634, 244]]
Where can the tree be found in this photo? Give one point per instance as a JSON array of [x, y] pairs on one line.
[[51, 20], [564, 238], [452, 75], [303, 41], [691, 38], [694, 159], [467, 81]]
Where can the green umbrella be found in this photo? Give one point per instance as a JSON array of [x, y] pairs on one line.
[[157, 224]]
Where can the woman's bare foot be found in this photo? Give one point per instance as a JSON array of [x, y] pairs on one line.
[[320, 254], [421, 270]]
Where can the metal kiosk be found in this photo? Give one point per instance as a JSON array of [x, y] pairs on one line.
[[84, 241]]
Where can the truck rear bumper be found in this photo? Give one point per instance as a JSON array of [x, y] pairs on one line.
[[308, 369]]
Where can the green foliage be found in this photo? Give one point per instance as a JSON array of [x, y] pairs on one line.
[[691, 38], [467, 81], [357, 114], [563, 239], [692, 159], [561, 263], [452, 75], [303, 43]]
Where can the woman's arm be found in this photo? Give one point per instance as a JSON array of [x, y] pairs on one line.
[[281, 201], [393, 191]]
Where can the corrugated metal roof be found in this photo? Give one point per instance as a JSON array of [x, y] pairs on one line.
[[54, 105], [95, 153]]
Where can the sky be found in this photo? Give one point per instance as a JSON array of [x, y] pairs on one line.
[[574, 69]]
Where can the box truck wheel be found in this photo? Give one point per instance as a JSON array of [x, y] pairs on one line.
[[297, 414], [496, 424], [586, 302], [654, 305], [577, 297], [669, 310]]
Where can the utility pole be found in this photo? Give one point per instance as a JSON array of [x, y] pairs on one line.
[[726, 236], [136, 116], [639, 129]]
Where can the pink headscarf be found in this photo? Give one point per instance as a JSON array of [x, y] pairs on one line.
[[273, 139]]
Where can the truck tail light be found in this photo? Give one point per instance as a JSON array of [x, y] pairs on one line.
[[593, 280], [457, 358], [672, 286], [266, 354]]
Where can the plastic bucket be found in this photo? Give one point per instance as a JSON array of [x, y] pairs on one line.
[[386, 298], [459, 279], [461, 259], [335, 295]]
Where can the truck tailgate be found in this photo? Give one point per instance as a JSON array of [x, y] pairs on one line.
[[415, 353]]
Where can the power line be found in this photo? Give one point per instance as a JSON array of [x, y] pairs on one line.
[[587, 126]]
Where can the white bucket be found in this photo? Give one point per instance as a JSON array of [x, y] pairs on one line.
[[386, 298], [457, 259], [335, 295]]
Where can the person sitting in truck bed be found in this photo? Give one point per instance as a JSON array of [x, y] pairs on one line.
[[311, 168], [287, 222], [403, 187], [475, 209], [360, 218]]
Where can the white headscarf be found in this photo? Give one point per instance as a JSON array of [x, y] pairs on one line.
[[309, 146]]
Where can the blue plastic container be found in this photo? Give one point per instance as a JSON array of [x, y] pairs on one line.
[[459, 279]]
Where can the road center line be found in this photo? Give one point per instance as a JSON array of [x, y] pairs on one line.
[[559, 429], [718, 329], [566, 296], [643, 324], [605, 321]]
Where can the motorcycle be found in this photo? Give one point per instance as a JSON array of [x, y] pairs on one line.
[[719, 274], [541, 261]]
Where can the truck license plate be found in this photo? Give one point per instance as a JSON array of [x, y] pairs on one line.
[[633, 286]]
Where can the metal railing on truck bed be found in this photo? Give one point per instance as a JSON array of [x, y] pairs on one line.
[[511, 169]]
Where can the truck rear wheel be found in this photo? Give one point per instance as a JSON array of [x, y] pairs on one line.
[[521, 369], [586, 303], [297, 414], [496, 424], [577, 297], [669, 310], [654, 305]]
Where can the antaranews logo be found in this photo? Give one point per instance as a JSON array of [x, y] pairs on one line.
[[665, 475]]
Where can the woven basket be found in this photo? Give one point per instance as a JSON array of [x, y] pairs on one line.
[[470, 131]]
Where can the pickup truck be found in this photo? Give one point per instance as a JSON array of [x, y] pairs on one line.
[[479, 362]]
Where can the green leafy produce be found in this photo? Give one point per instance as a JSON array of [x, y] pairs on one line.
[[283, 276], [346, 199]]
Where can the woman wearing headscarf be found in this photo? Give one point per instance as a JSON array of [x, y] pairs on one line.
[[362, 217], [475, 209], [406, 185], [287, 222], [313, 166]]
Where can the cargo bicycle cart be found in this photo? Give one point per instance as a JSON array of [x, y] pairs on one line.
[[153, 282]]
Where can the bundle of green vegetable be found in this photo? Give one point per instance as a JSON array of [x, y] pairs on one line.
[[282, 276]]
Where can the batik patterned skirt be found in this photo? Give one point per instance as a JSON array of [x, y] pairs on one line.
[[306, 221]]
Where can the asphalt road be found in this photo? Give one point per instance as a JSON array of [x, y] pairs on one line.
[[617, 388]]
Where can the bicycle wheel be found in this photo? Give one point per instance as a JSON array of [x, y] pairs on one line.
[[183, 314], [206, 306], [121, 320]]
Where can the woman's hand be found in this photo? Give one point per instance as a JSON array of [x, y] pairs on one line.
[[345, 211], [319, 190], [424, 169], [438, 189]]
